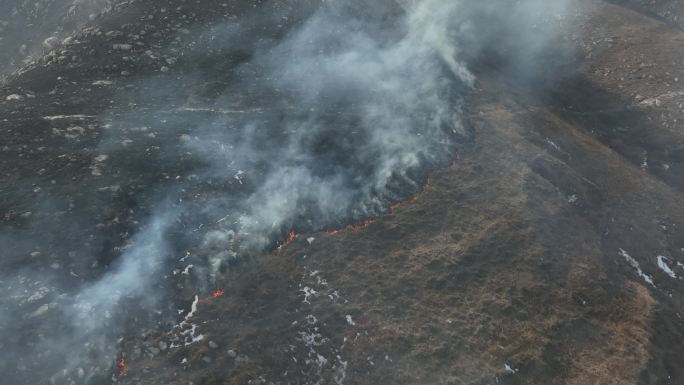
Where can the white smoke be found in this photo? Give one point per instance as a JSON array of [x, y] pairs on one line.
[[329, 124]]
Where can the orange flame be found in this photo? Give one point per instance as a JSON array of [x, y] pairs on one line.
[[362, 225], [395, 206], [426, 187], [217, 293], [353, 228], [290, 237], [123, 369]]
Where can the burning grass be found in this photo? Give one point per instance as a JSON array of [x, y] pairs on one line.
[[217, 293], [121, 364]]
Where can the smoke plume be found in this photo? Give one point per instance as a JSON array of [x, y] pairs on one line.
[[253, 136]]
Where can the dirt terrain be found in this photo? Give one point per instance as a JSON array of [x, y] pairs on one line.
[[551, 251]]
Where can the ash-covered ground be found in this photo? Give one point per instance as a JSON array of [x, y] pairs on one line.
[[348, 192]]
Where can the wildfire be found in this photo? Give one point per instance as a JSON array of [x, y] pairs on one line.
[[454, 163], [426, 187], [360, 226], [290, 237], [123, 369], [353, 228], [217, 293]]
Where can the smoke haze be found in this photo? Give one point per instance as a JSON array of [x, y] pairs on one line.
[[254, 135]]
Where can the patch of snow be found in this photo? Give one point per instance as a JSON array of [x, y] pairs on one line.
[[341, 372], [572, 198], [14, 97], [554, 145], [238, 176], [509, 369], [186, 271], [193, 309], [189, 334], [187, 255], [60, 117], [308, 293], [311, 339], [664, 267], [636, 267], [310, 240], [311, 319], [349, 319], [644, 161]]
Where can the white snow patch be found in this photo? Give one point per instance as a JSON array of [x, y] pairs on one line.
[[310, 240], [61, 117], [186, 271], [509, 369], [341, 372], [554, 145], [190, 335], [191, 313], [349, 319], [664, 267], [308, 293], [636, 267], [311, 339], [238, 176]]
